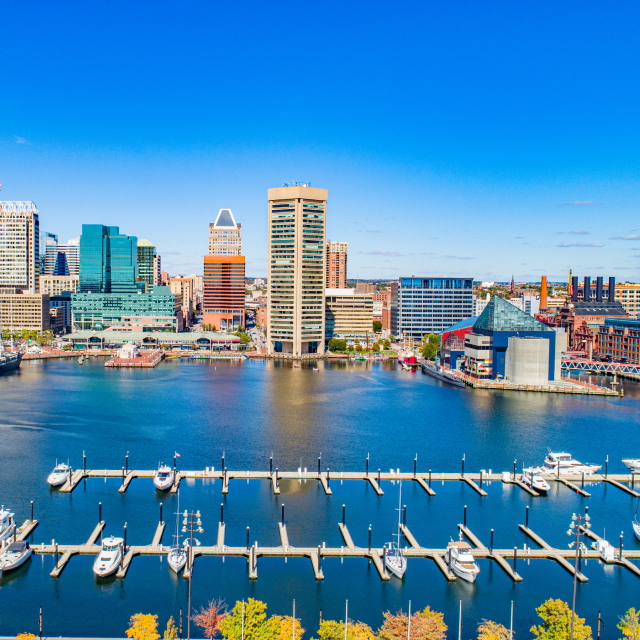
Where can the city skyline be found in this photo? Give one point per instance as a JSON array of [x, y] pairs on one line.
[[503, 142]]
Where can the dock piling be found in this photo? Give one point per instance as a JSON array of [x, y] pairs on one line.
[[378, 477], [491, 543], [526, 517], [99, 511], [84, 462], [277, 479], [429, 478], [123, 475], [174, 463], [221, 513], [515, 556], [415, 465], [463, 457], [327, 476], [582, 485], [319, 458], [343, 515], [126, 462], [223, 460], [620, 549], [283, 514], [369, 538], [366, 471], [319, 557], [481, 474], [32, 511], [57, 555], [161, 512], [271, 465], [606, 466], [404, 515], [248, 543], [465, 515], [125, 538], [514, 469]]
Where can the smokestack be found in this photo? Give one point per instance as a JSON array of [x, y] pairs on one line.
[[543, 293], [599, 288], [586, 294], [574, 288], [612, 289]]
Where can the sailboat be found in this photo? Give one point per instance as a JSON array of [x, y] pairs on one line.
[[394, 558], [177, 554], [635, 524]]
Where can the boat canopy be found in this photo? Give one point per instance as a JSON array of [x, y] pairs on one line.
[[21, 545]]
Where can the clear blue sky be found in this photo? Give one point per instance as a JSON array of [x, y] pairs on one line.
[[479, 138]]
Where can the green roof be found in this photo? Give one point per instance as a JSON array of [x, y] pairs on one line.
[[500, 315]]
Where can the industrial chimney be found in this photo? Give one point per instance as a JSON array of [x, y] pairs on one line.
[[543, 293], [599, 288], [612, 289], [574, 288], [586, 294]]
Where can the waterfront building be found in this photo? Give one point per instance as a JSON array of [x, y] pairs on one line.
[[24, 310], [296, 270], [348, 315], [628, 295], [619, 339], [146, 263], [507, 343], [205, 341], [336, 265], [261, 316], [55, 285], [452, 343], [223, 298], [225, 235], [429, 304], [182, 288], [19, 247], [62, 302]]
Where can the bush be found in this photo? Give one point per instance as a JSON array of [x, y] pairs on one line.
[[377, 326]]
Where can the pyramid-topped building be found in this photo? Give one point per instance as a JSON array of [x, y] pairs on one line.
[[500, 315]]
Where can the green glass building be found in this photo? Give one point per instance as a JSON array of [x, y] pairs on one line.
[[146, 254]]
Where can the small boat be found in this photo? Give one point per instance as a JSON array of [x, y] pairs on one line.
[[109, 558], [59, 475], [394, 558], [177, 556], [636, 524], [81, 360], [535, 481], [316, 369], [164, 477], [16, 555], [297, 366], [9, 360], [565, 465], [633, 464], [461, 561], [7, 526]]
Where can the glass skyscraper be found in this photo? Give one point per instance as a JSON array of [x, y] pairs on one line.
[[146, 254]]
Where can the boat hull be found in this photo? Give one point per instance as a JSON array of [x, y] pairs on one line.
[[55, 480], [5, 534], [105, 570], [636, 529], [435, 373], [163, 485], [10, 364], [396, 569], [18, 562], [465, 575], [177, 561]]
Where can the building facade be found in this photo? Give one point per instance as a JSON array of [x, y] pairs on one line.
[[223, 303], [628, 295], [28, 311], [47, 240], [55, 285], [619, 339], [296, 270], [336, 265], [147, 263], [19, 247], [348, 315], [225, 235], [429, 305]]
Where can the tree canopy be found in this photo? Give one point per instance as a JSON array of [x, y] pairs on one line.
[[489, 630], [425, 625], [143, 626], [256, 624], [556, 622], [334, 630], [630, 624], [377, 326]]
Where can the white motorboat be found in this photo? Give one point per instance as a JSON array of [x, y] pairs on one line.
[[565, 465], [109, 558], [394, 558], [461, 561], [59, 475], [164, 477], [633, 464], [7, 525], [177, 556], [636, 524], [535, 481], [16, 555]]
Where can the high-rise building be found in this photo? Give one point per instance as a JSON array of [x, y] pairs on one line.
[[19, 247], [296, 270], [225, 236], [223, 282], [108, 260], [429, 305], [158, 280], [336, 265], [59, 259], [47, 240], [146, 255], [349, 315]]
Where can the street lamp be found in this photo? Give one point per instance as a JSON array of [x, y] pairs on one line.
[[188, 527], [574, 530]]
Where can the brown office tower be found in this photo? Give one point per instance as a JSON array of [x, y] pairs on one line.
[[336, 265], [296, 269], [224, 274], [543, 294]]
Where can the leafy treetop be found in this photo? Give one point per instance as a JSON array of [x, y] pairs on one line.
[[556, 625], [143, 626]]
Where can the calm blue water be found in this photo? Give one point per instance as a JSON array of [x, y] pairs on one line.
[[252, 410]]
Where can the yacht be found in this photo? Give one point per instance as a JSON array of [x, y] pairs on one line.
[[394, 558], [635, 524], [164, 477], [7, 526], [535, 481], [109, 558], [177, 557], [461, 561], [16, 555], [633, 464], [59, 475], [565, 465]]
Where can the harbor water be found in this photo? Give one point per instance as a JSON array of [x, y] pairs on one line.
[[252, 410]]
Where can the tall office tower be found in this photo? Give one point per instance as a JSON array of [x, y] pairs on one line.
[[224, 274], [48, 243], [157, 271], [108, 260], [296, 269], [19, 247], [225, 236], [68, 260], [146, 262], [336, 265]]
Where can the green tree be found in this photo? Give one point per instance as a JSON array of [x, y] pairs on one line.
[[358, 346], [392, 338], [376, 346], [357, 341], [334, 630], [377, 326], [256, 624], [350, 347], [630, 625], [489, 630], [335, 344], [387, 344], [556, 625], [430, 351], [425, 625], [244, 338], [171, 632], [143, 626]]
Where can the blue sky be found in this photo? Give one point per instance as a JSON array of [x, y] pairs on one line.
[[462, 138]]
